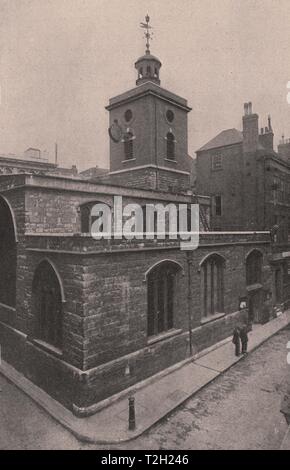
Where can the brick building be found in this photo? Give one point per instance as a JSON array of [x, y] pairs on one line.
[[13, 164], [249, 185], [33, 162], [85, 318]]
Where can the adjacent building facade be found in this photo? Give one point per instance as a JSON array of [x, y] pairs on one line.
[[249, 185]]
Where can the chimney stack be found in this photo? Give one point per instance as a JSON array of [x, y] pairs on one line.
[[266, 138], [250, 129]]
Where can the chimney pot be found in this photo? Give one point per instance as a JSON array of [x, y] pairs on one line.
[[250, 107], [246, 108]]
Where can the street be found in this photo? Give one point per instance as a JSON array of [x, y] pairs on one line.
[[239, 410]]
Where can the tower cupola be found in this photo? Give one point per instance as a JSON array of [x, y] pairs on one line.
[[148, 66]]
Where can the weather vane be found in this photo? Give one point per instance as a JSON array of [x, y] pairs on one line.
[[148, 34]]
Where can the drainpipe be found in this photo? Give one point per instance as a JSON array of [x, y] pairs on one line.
[[189, 299]]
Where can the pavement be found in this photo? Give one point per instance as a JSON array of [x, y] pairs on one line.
[[155, 398]]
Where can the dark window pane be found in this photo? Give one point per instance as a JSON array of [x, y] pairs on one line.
[[170, 115], [218, 205], [161, 302], [170, 299], [151, 304], [128, 115], [85, 219], [170, 146], [161, 291], [254, 268], [216, 162], [128, 146], [212, 287], [47, 305]]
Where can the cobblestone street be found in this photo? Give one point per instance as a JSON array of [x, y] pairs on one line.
[[239, 410]]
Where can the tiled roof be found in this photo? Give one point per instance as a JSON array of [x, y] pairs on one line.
[[227, 137]]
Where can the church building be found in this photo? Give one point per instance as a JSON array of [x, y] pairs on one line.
[[85, 319]]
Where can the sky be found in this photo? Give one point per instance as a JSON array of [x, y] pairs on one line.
[[62, 60]]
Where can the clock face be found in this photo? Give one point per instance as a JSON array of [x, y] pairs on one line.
[[115, 132]]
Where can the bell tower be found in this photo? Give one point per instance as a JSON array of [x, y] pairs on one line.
[[148, 131]]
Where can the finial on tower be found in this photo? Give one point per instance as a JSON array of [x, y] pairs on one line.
[[148, 66], [148, 35]]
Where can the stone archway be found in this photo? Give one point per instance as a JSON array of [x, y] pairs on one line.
[[8, 254]]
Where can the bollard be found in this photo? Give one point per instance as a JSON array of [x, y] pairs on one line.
[[132, 421]]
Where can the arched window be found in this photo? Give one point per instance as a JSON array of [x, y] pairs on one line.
[[161, 291], [128, 146], [47, 305], [254, 268], [170, 153], [212, 285], [148, 71], [7, 255]]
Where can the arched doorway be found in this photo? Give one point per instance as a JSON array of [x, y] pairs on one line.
[[47, 304], [161, 291], [7, 255]]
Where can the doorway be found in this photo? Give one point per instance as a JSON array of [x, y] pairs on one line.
[[255, 306]]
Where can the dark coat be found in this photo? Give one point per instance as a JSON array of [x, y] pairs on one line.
[[244, 334], [236, 336]]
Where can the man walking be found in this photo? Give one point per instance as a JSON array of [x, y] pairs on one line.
[[244, 338], [236, 341]]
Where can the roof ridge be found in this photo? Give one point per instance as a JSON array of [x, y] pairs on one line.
[[225, 137]]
